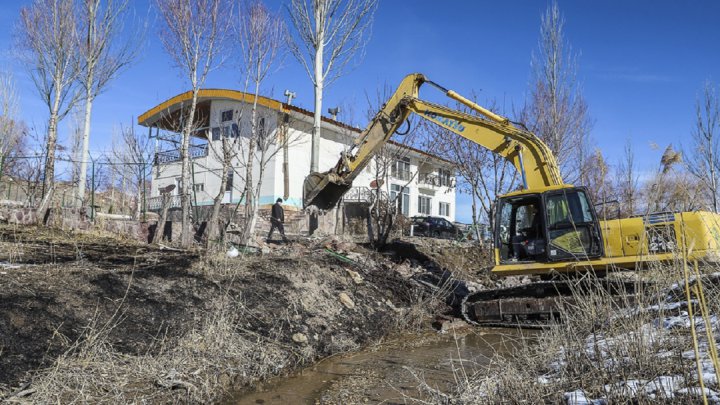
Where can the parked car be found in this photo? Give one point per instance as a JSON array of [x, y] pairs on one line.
[[435, 227]]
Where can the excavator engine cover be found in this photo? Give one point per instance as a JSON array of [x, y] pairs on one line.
[[323, 190]]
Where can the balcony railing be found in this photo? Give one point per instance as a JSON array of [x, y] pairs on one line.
[[432, 179], [155, 203], [363, 194], [170, 156]]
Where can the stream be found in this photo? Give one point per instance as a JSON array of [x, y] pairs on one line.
[[391, 372]]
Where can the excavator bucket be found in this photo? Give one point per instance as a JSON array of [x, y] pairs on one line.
[[323, 190]]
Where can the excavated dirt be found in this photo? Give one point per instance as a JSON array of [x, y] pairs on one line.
[[309, 303]]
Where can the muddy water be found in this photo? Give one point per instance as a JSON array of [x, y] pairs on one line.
[[385, 374]]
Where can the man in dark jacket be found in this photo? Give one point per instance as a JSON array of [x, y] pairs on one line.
[[277, 218]]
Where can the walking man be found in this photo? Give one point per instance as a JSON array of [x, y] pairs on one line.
[[277, 218]]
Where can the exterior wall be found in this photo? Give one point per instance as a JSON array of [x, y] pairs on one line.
[[207, 169], [334, 140]]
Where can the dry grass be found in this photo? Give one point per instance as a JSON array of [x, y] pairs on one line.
[[215, 356], [608, 347], [195, 369]]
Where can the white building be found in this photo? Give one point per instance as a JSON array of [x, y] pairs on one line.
[[425, 182]]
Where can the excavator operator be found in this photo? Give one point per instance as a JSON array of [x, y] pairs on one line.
[[528, 243]]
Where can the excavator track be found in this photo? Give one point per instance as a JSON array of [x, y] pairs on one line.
[[536, 304]]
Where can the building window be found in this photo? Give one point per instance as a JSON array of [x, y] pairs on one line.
[[444, 209], [445, 177], [215, 133], [199, 187], [226, 116], [401, 196], [229, 184], [424, 204], [401, 169]]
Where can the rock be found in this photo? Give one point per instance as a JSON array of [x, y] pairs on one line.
[[299, 338], [233, 252], [356, 277], [444, 325], [355, 256], [265, 250], [347, 301]]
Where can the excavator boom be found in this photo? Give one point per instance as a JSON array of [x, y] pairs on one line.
[[492, 131]]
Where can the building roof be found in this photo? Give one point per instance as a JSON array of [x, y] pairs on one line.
[[166, 114]]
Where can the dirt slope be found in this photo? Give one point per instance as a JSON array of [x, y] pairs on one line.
[[174, 326]]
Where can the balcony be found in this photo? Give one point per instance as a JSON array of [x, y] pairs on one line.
[[363, 194], [404, 175], [155, 203], [433, 179], [165, 157]]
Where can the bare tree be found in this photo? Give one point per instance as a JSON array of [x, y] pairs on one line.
[[48, 39], [627, 182], [329, 34], [672, 188], [11, 130], [483, 174], [133, 155], [104, 54], [557, 111], [261, 35], [193, 34], [704, 163], [597, 174], [226, 153]]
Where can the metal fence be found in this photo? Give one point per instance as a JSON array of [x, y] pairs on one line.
[[111, 186]]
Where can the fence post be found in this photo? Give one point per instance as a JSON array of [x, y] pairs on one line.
[[92, 196], [144, 195]]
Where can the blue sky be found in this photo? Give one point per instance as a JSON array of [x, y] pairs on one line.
[[641, 65]]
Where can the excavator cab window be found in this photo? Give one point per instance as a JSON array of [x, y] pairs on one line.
[[572, 227], [520, 230], [553, 226]]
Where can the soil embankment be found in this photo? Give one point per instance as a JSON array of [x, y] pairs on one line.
[[93, 318]]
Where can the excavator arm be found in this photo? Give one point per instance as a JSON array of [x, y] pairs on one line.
[[530, 156]]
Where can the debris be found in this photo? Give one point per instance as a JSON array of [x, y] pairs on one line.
[[299, 338], [446, 324], [163, 247], [233, 252], [347, 301], [356, 277]]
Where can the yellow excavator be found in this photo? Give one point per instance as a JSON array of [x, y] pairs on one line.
[[548, 226]]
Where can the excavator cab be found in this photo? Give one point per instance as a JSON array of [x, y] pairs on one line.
[[555, 225]]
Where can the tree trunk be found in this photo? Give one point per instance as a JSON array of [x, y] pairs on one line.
[[186, 235], [212, 228], [49, 179], [160, 228], [249, 194], [319, 81], [82, 176], [475, 222]]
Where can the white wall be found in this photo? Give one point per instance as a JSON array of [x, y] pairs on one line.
[[334, 140]]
